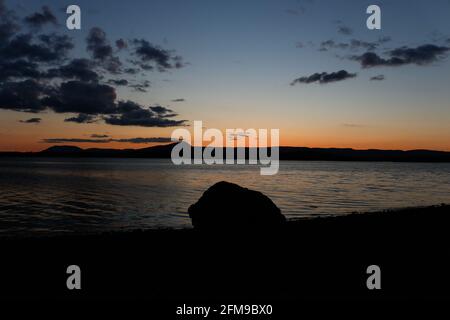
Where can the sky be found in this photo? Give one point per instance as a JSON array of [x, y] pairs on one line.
[[137, 70]]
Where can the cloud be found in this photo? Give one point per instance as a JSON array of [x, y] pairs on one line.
[[99, 136], [101, 50], [98, 45], [150, 56], [331, 44], [141, 87], [132, 114], [324, 77], [384, 39], [353, 44], [118, 82], [32, 120], [344, 30], [8, 23], [76, 140], [131, 71], [19, 69], [80, 69], [21, 96], [82, 97], [48, 48], [353, 125], [421, 55], [144, 140], [37, 73], [38, 19], [163, 111], [179, 100], [102, 139], [121, 44], [379, 77], [82, 118]]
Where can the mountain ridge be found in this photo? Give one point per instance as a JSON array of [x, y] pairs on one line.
[[286, 153]]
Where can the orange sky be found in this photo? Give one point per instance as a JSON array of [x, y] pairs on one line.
[[16, 136]]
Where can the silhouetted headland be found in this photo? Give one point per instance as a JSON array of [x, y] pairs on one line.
[[286, 153]]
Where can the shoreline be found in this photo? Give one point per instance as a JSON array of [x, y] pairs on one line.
[[291, 223], [304, 260]]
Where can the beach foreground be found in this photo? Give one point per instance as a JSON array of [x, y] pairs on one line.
[[305, 259]]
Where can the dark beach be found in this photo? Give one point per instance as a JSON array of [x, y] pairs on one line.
[[310, 259]]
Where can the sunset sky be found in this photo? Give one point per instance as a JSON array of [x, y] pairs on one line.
[[140, 69]]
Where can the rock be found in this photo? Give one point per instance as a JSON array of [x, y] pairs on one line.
[[229, 206]]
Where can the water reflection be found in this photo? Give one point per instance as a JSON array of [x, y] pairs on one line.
[[70, 195]]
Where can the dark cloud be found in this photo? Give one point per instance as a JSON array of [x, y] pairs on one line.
[[118, 82], [163, 111], [91, 101], [8, 24], [38, 19], [101, 50], [32, 120], [421, 55], [102, 139], [19, 69], [74, 140], [131, 71], [132, 114], [99, 136], [60, 44], [141, 87], [21, 96], [144, 140], [345, 30], [379, 77], [98, 45], [356, 44], [82, 118], [385, 39], [80, 69], [179, 100], [82, 97], [353, 44], [36, 74], [331, 44], [113, 65], [324, 77], [121, 44], [353, 125], [151, 56], [48, 48]]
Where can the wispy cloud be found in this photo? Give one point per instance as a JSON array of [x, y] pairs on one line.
[[98, 139], [324, 77], [379, 77], [32, 120], [353, 125], [421, 55]]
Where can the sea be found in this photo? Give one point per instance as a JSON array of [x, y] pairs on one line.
[[48, 196]]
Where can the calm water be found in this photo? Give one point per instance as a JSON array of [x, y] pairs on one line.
[[83, 195]]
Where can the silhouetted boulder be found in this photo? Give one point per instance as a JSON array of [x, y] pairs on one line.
[[229, 206]]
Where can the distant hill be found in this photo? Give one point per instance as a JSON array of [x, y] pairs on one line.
[[56, 150], [286, 153]]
